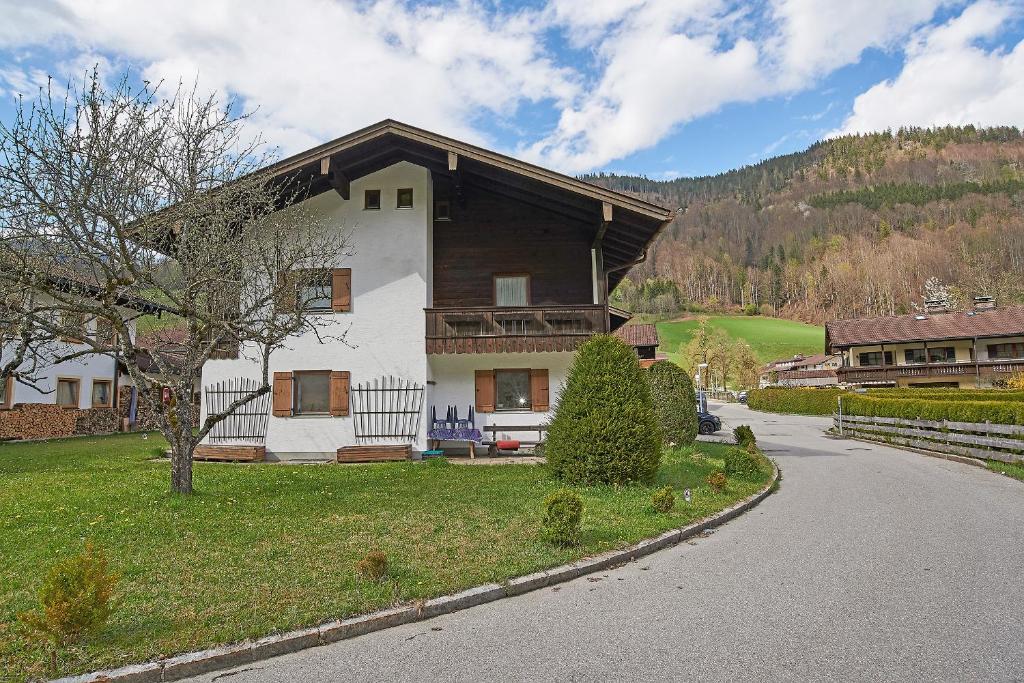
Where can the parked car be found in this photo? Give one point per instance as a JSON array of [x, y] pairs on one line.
[[742, 397], [708, 423]]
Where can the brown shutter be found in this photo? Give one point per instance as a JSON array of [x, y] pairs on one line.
[[285, 300], [339, 392], [341, 290], [539, 390], [9, 393], [485, 391], [282, 394]]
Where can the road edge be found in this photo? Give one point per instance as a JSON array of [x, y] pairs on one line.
[[249, 651]]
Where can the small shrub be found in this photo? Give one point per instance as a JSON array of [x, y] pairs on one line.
[[75, 599], [563, 516], [742, 462], [744, 436], [664, 499], [717, 481], [373, 567], [675, 402], [605, 429]]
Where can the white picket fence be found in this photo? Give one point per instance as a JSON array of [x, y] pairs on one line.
[[974, 439]]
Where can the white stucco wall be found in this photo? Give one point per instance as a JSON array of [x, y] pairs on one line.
[[454, 383], [386, 329], [85, 369]]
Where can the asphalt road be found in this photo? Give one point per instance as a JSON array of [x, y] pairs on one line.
[[870, 563]]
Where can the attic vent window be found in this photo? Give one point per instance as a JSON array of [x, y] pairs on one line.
[[404, 198], [371, 200]]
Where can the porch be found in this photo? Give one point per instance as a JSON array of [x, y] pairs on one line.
[[977, 371]]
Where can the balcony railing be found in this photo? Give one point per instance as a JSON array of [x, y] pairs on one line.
[[891, 373], [504, 329]]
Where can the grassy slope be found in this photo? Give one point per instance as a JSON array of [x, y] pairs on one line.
[[771, 338], [261, 548]]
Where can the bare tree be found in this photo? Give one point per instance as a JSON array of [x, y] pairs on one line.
[[102, 185]]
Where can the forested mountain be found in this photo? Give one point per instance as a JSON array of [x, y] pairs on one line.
[[851, 226]]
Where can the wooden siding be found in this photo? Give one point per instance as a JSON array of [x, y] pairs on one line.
[[374, 453], [512, 329], [490, 233], [230, 453]]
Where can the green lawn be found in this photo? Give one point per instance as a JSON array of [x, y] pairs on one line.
[[262, 548], [1015, 469], [771, 338]]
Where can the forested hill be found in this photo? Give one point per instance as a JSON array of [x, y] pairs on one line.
[[851, 226]]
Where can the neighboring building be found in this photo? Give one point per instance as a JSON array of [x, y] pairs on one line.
[[473, 280], [977, 348], [644, 339], [800, 371]]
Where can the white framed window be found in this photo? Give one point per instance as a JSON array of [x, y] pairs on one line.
[[512, 290], [67, 392], [315, 291]]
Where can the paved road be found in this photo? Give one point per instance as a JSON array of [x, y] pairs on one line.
[[869, 564]]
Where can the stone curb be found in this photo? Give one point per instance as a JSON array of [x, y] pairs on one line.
[[229, 656], [963, 459]]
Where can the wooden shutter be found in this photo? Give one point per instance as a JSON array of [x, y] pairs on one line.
[[539, 390], [485, 391], [341, 290], [282, 394], [8, 393], [285, 301], [340, 383]]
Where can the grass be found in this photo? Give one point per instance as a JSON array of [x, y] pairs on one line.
[[770, 338], [1015, 470], [263, 548]]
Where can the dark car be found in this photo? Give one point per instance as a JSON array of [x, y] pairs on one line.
[[742, 397], [708, 423]]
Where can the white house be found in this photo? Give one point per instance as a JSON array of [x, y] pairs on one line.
[[473, 280]]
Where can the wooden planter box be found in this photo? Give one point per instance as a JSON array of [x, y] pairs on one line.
[[374, 453], [230, 453]]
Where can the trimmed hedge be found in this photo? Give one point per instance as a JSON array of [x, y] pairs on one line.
[[1000, 412], [797, 401], [675, 402], [605, 429], [949, 394]]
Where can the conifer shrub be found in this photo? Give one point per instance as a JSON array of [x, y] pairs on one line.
[[675, 402], [744, 436], [563, 516], [605, 429], [664, 499], [74, 599], [717, 480], [373, 567]]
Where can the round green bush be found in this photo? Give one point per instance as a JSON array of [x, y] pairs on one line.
[[563, 516], [664, 499], [740, 462], [744, 436], [675, 402], [604, 429]]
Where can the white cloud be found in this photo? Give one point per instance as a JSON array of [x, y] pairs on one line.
[[949, 79]]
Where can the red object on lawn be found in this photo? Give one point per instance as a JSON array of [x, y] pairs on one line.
[[507, 445]]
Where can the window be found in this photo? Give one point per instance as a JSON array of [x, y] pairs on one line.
[[314, 290], [1005, 351], [74, 326], [105, 335], [511, 290], [404, 198], [870, 358], [67, 393], [913, 356], [512, 390], [371, 200], [101, 393], [312, 393], [6, 391], [442, 210], [942, 354]]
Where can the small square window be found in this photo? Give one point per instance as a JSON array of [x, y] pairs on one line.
[[315, 290], [404, 198], [442, 210], [67, 393], [101, 393], [512, 390], [312, 393], [371, 200]]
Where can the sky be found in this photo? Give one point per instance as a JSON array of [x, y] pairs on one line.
[[662, 88]]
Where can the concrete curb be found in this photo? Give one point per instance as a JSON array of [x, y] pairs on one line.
[[247, 652], [963, 459]]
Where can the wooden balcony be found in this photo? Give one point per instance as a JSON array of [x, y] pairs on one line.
[[503, 329], [997, 369]]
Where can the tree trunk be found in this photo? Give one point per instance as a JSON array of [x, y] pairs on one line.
[[182, 441], [181, 465]]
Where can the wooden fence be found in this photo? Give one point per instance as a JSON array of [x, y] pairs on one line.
[[974, 439]]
